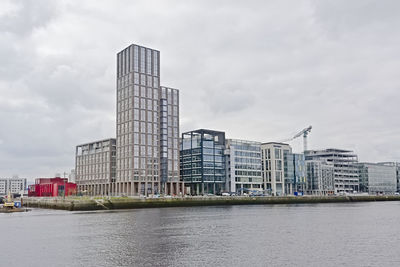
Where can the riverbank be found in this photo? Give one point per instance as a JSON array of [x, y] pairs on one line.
[[86, 203]]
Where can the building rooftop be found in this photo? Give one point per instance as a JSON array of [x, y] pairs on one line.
[[275, 143], [97, 141], [207, 131]]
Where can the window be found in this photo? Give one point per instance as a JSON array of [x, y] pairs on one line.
[[155, 63], [136, 78], [142, 59]]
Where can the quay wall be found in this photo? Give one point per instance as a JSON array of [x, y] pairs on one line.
[[110, 203]]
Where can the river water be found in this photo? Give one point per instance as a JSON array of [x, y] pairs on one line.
[[340, 234]]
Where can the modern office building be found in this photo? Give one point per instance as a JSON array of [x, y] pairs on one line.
[[147, 126], [203, 161], [397, 165], [95, 167], [14, 185], [345, 167], [295, 172], [377, 178], [243, 171], [320, 178], [273, 168]]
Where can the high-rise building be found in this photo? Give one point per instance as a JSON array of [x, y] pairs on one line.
[[147, 126], [203, 161], [243, 161], [95, 167], [345, 167], [169, 140]]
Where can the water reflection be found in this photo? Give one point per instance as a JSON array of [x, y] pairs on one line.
[[345, 234]]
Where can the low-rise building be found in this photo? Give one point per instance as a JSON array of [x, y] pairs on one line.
[[397, 165], [345, 167], [52, 187], [320, 178], [95, 167], [14, 185], [203, 161], [377, 178], [243, 171]]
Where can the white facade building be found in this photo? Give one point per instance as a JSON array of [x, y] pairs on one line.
[[320, 178], [273, 168], [345, 167], [243, 159], [14, 185]]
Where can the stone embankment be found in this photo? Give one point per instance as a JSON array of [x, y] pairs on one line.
[[110, 203]]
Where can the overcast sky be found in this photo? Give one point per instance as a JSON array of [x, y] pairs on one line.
[[258, 70]]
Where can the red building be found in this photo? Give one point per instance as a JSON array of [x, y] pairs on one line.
[[51, 187]]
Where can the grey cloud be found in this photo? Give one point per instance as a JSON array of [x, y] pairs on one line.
[[259, 70]]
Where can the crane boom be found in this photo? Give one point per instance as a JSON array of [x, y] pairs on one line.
[[303, 133]]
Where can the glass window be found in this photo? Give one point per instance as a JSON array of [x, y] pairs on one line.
[[142, 79], [149, 93], [143, 115], [136, 78], [142, 59], [149, 61], [155, 63], [135, 58], [155, 82]]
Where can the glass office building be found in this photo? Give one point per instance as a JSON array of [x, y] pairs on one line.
[[377, 178], [295, 172], [203, 161]]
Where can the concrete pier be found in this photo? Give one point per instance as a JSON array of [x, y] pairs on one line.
[[85, 203]]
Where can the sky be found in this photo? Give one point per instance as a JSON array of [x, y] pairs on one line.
[[258, 70]]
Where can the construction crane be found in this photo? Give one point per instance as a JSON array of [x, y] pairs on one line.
[[303, 133]]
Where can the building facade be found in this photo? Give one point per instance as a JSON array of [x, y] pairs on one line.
[[203, 161], [13, 185], [95, 167], [295, 172], [52, 187], [169, 139], [147, 126], [320, 178], [243, 161], [273, 168], [377, 178], [397, 166], [344, 162]]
